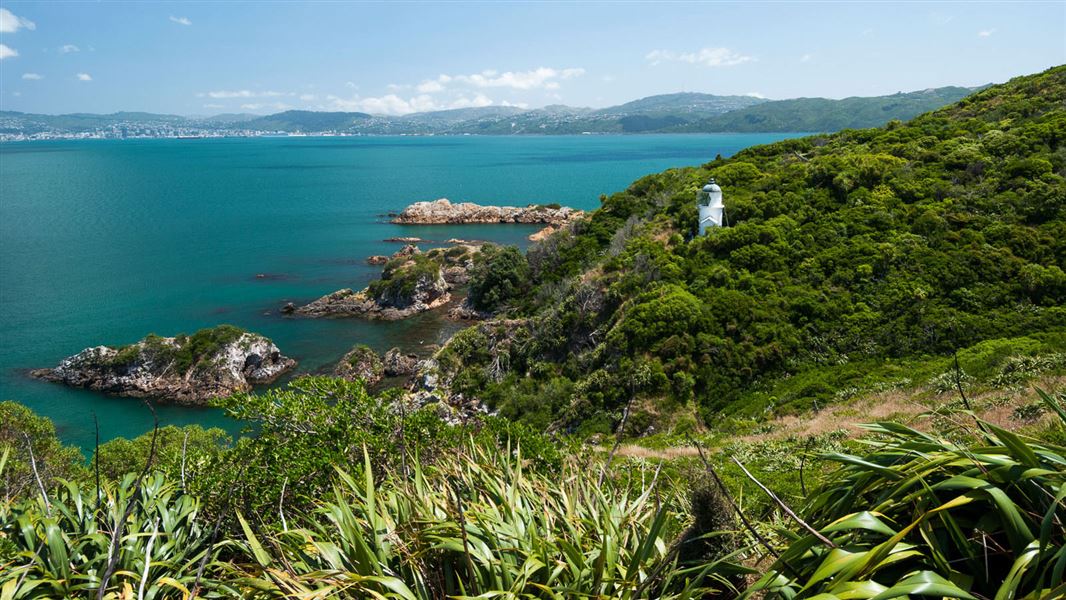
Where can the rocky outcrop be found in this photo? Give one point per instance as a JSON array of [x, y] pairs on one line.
[[398, 364], [427, 294], [411, 282], [442, 211], [185, 369], [427, 390], [464, 311], [361, 363]]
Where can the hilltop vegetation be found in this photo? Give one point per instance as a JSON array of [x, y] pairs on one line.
[[859, 248], [825, 115]]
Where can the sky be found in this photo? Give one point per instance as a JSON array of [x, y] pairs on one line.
[[204, 58]]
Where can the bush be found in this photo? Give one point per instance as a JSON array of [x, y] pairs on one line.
[[23, 432], [499, 275]]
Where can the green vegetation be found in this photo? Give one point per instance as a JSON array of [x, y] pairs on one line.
[[181, 355], [479, 517], [402, 277], [500, 275], [879, 247], [965, 521], [22, 432], [825, 115]]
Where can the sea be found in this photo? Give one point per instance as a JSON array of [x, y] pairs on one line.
[[105, 241]]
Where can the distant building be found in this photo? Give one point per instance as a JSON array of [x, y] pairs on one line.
[[709, 201]]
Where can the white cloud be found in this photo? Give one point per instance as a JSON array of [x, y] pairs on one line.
[[180, 20], [7, 52], [32, 76], [806, 58], [350, 84], [68, 48], [986, 33], [222, 94], [84, 77], [519, 80], [756, 95], [539, 78], [426, 87], [308, 97], [451, 91], [214, 106], [10, 23], [395, 105], [708, 57]]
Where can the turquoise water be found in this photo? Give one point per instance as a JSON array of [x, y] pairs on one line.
[[102, 242]]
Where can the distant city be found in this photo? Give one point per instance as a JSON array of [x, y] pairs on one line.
[[668, 113]]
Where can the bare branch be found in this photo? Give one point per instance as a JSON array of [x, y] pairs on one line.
[[785, 507]]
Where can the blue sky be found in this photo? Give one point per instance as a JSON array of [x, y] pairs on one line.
[[212, 57]]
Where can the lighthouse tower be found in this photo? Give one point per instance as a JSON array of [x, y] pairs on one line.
[[709, 201]]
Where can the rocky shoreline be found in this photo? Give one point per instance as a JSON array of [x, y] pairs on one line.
[[444, 212], [411, 282], [215, 362]]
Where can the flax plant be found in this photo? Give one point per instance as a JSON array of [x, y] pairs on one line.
[[60, 548], [918, 514], [478, 526]]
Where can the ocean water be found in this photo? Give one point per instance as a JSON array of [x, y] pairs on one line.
[[103, 242]]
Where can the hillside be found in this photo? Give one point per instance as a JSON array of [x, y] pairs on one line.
[[306, 121], [682, 112], [851, 260], [825, 115]]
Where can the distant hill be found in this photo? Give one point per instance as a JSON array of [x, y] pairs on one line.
[[825, 115], [685, 112], [307, 121], [682, 104]]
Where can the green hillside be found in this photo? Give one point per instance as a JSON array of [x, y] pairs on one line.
[[825, 115], [847, 258], [306, 121]]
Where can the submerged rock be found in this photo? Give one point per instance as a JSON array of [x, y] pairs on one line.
[[184, 369]]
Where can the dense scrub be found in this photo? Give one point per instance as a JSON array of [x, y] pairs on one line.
[[898, 243]]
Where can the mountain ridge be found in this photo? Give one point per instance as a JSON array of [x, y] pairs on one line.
[[681, 112]]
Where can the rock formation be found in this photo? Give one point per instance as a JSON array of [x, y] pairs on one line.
[[185, 369], [398, 364], [361, 363], [442, 211], [411, 282]]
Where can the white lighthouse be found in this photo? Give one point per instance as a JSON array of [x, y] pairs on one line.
[[709, 201]]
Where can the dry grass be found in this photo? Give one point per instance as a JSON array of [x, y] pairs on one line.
[[635, 451], [996, 406]]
